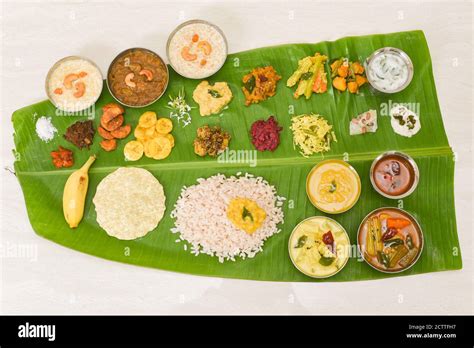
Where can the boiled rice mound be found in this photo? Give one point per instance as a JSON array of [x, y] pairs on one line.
[[201, 218]]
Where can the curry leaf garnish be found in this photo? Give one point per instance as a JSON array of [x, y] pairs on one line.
[[301, 241], [246, 213], [307, 75], [333, 186], [400, 119], [214, 93], [250, 84], [326, 261]]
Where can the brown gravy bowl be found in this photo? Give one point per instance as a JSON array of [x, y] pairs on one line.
[[394, 175], [137, 77]]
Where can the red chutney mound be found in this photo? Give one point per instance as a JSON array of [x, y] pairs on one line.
[[265, 134], [62, 158]]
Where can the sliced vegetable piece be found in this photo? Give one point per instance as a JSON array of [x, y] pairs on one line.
[[339, 83], [334, 66], [360, 80], [343, 70], [408, 258], [393, 242], [321, 83], [400, 252], [108, 145], [378, 234], [133, 150], [398, 223], [303, 67], [409, 241], [164, 126], [104, 134], [121, 132], [147, 119], [383, 259], [391, 232], [113, 124], [357, 68], [352, 87], [370, 238]]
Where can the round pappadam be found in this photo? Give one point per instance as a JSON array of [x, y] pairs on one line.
[[130, 202]]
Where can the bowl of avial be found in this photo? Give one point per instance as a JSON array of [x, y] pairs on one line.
[[333, 186], [319, 247]]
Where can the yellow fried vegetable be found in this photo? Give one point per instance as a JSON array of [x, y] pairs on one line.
[[357, 68], [144, 133], [164, 146], [343, 70], [339, 83], [150, 132], [153, 138], [148, 149], [133, 150], [140, 132], [147, 119], [360, 80], [164, 125], [158, 148], [170, 138], [336, 64], [352, 87]]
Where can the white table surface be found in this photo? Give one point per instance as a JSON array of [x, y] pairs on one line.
[[56, 280]]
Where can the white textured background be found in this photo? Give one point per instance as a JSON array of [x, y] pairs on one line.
[[57, 280]]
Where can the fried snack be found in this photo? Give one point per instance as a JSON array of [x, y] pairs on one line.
[[210, 141]]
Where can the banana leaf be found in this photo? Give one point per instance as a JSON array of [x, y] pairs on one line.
[[432, 203]]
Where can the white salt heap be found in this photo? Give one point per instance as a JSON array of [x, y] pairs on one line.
[[45, 129]]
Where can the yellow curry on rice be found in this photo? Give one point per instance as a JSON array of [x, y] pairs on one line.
[[246, 214]]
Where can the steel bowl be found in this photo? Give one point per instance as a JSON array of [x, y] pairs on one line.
[[55, 66], [296, 265], [395, 51], [125, 52], [417, 228], [410, 160], [359, 186], [182, 25]]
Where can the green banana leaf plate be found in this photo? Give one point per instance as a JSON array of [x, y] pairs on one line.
[[432, 203]]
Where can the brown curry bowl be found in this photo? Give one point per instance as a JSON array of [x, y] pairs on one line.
[[119, 56]]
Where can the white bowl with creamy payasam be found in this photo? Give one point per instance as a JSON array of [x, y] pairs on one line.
[[74, 84], [197, 49]]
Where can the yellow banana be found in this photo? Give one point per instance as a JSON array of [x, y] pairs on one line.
[[75, 192]]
